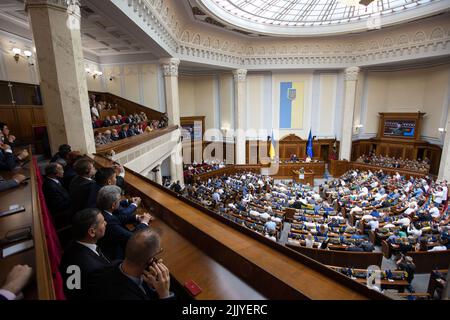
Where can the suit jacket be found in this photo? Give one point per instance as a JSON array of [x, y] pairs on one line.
[[7, 184], [115, 138], [80, 188], [111, 284], [123, 134], [107, 123], [88, 262], [69, 174], [130, 133], [7, 161], [116, 237], [56, 196]]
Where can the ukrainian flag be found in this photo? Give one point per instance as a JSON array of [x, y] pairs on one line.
[[272, 148], [291, 105]]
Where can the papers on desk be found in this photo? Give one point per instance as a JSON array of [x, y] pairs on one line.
[[17, 248]]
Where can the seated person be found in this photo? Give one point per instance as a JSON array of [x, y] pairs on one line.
[[56, 196], [98, 138], [82, 184], [130, 131], [15, 181], [114, 135], [69, 170], [107, 122], [107, 137], [123, 133], [8, 161], [117, 234], [15, 282], [7, 138], [140, 276], [62, 154], [88, 226]]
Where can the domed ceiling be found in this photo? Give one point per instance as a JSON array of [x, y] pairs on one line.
[[316, 17]]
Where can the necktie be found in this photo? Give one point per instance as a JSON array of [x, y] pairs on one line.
[[100, 253]]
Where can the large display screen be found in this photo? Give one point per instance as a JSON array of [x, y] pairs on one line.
[[399, 128]]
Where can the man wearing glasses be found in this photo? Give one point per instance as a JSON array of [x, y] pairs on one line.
[[142, 275]]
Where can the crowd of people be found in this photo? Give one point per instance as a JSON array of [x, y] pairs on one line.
[[115, 260], [194, 168], [399, 163], [124, 127]]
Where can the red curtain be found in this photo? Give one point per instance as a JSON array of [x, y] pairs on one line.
[[53, 245]]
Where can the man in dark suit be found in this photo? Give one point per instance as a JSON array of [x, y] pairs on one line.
[[117, 234], [7, 162], [123, 132], [141, 276], [56, 196], [130, 131], [107, 122], [88, 226], [82, 185], [108, 177]]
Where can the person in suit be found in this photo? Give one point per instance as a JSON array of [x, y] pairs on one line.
[[82, 185], [123, 133], [88, 226], [56, 196], [62, 154], [15, 282], [114, 135], [140, 276], [130, 131], [69, 170], [7, 161], [16, 180], [117, 234], [7, 138], [107, 122], [109, 177]]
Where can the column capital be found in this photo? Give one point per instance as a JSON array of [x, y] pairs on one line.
[[351, 73], [55, 3], [170, 66], [240, 75]]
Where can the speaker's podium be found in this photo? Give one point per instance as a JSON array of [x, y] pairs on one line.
[[303, 176]]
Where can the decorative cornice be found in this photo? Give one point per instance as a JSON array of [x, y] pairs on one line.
[[170, 66], [240, 75], [55, 3], [351, 73]]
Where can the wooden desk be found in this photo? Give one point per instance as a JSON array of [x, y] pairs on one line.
[[41, 286], [308, 177], [270, 268]]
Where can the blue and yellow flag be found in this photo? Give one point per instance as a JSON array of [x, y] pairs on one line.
[[271, 148], [291, 105]]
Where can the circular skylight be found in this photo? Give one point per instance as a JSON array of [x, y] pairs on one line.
[[312, 17]]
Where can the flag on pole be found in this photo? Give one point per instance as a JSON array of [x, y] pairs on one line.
[[271, 148], [309, 147]]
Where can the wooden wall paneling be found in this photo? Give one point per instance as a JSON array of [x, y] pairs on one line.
[[25, 114], [39, 115]]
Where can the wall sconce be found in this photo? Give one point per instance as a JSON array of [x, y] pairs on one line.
[[358, 127], [441, 130], [17, 53], [225, 128], [97, 73]]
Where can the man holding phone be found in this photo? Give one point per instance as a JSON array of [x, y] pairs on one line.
[[142, 275]]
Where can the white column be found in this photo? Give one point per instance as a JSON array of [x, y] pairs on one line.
[[158, 175], [56, 32], [170, 71], [444, 166], [350, 77], [240, 102]]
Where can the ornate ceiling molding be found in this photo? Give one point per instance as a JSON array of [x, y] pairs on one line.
[[426, 38]]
